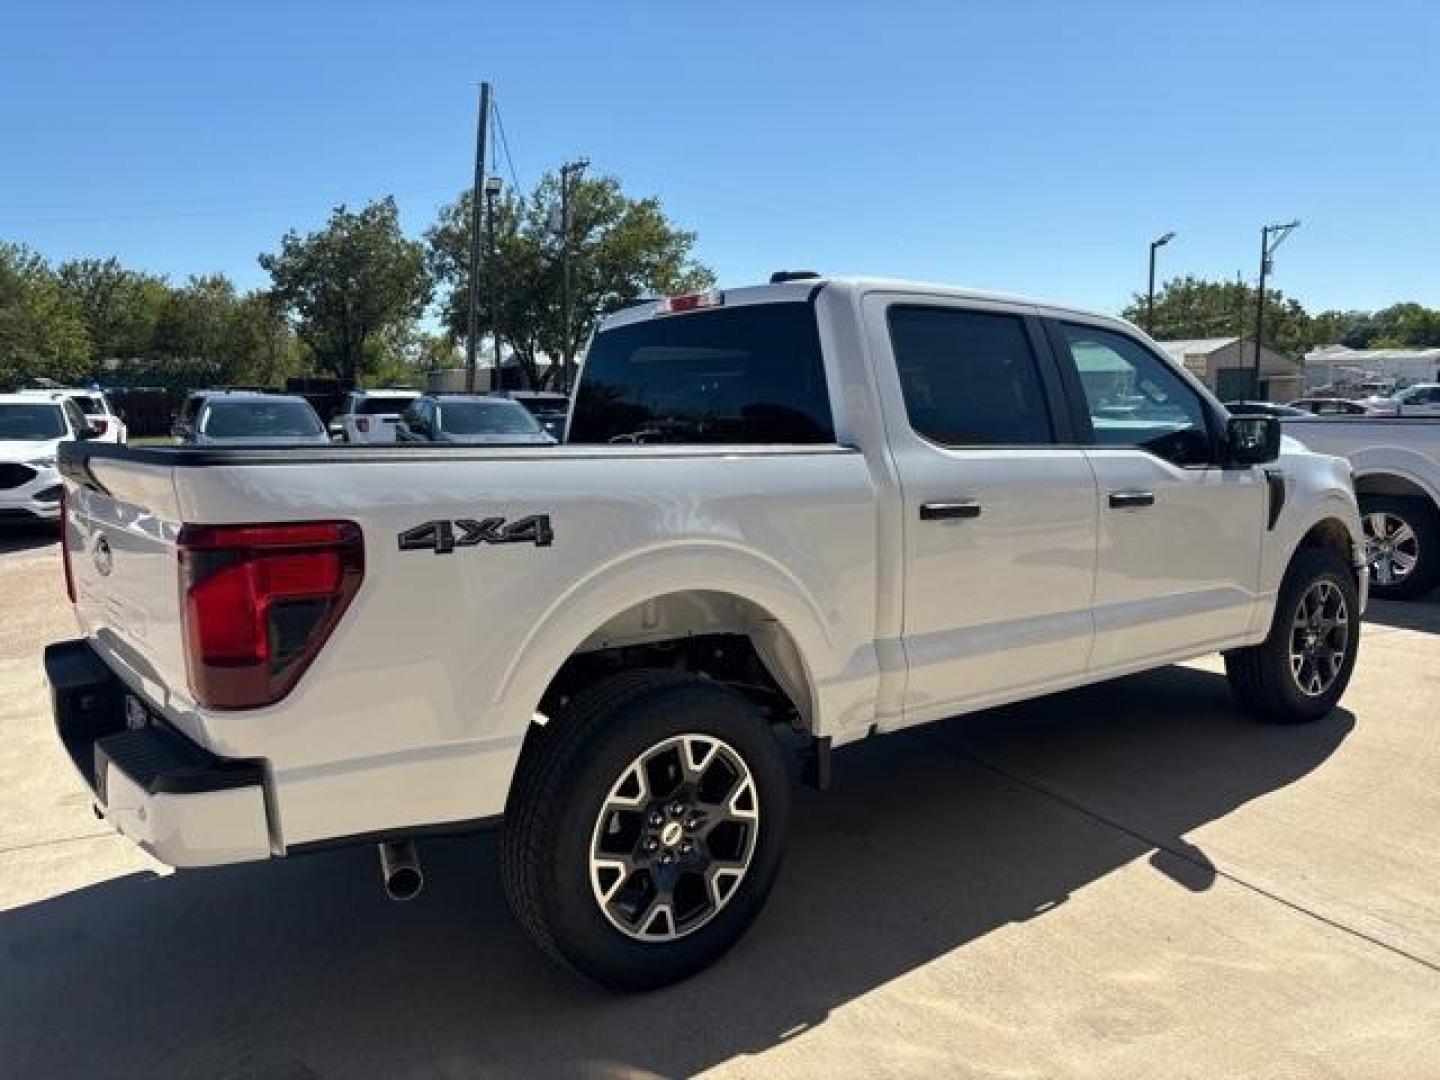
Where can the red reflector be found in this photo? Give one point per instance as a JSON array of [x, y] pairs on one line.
[[362, 424], [100, 425], [259, 602], [690, 302]]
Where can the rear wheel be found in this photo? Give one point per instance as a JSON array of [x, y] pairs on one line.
[[1300, 671], [1402, 544], [645, 828]]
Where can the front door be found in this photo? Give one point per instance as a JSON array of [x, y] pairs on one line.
[[999, 514], [1180, 537]]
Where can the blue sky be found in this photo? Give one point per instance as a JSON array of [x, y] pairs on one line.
[[1032, 147]]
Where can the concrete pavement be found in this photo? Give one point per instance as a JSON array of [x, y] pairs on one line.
[[1128, 880]]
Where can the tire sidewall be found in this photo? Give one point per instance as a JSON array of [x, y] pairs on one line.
[[581, 930]]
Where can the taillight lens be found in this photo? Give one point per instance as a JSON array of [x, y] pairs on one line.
[[100, 425], [259, 602], [65, 545], [362, 424]]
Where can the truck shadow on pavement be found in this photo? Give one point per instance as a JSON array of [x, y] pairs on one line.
[[1422, 615], [27, 537], [930, 840]]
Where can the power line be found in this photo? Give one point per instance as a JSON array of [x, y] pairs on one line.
[[505, 144]]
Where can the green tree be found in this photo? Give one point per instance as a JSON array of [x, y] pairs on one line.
[[42, 330], [622, 249], [120, 307], [349, 284], [1191, 307]]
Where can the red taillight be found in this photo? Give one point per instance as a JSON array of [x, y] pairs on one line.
[[362, 424], [99, 424], [690, 302], [65, 545], [259, 601]]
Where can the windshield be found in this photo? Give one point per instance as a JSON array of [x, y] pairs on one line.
[[383, 406], [260, 419], [750, 374], [31, 423], [486, 418]]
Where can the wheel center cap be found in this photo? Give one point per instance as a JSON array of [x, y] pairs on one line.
[[671, 834]]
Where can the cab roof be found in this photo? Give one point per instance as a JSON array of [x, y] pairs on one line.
[[803, 288]]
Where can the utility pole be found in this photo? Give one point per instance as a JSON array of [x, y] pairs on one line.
[[492, 271], [1159, 242], [1267, 251], [567, 346], [472, 320]]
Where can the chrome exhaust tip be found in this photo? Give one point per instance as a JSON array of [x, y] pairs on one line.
[[400, 870]]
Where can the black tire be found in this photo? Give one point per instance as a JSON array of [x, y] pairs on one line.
[[568, 771], [1424, 525], [1263, 678]]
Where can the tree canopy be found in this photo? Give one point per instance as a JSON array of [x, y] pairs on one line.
[[622, 249], [1190, 307], [349, 284]]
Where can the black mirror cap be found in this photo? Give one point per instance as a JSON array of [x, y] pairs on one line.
[[1252, 440]]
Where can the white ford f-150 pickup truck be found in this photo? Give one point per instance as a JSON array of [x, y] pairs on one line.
[[833, 507], [1396, 465]]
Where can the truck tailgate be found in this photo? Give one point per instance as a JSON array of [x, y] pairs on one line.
[[121, 525]]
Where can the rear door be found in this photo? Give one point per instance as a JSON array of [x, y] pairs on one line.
[[999, 505], [1180, 537]]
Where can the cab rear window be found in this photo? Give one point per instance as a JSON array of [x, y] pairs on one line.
[[749, 374]]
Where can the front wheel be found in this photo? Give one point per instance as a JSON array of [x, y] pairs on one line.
[[1300, 671], [645, 828]]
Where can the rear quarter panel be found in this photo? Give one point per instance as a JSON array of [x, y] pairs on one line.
[[415, 710]]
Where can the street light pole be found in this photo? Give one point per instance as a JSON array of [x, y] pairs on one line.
[[1159, 242], [1267, 251], [472, 321], [567, 351], [492, 271]]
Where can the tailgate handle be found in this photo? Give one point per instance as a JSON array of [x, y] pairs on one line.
[[941, 511], [1131, 500]]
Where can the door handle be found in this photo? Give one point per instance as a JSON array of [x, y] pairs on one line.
[[1131, 500], [940, 511]]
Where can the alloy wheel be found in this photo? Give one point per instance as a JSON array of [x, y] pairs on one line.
[[1391, 547], [674, 837], [1319, 637]]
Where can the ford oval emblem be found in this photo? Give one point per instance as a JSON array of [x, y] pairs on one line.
[[104, 557]]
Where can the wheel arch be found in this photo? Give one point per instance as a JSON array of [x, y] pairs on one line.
[[674, 594], [1396, 483]]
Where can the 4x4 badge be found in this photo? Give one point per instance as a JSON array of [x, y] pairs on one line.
[[443, 537]]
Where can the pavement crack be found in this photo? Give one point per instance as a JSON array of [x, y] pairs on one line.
[[1186, 852]]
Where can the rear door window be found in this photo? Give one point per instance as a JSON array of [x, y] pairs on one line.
[[970, 378], [748, 374]]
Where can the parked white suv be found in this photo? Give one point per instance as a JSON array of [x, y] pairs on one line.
[[370, 416], [31, 431], [96, 407], [842, 507]]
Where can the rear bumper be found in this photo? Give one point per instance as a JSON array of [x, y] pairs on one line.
[[178, 801]]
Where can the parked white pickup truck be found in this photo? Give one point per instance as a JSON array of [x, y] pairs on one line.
[[844, 507], [1396, 464]]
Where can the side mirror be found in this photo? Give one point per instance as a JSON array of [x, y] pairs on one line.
[[1252, 440]]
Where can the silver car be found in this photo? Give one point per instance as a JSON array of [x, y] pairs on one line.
[[247, 419], [471, 420]]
